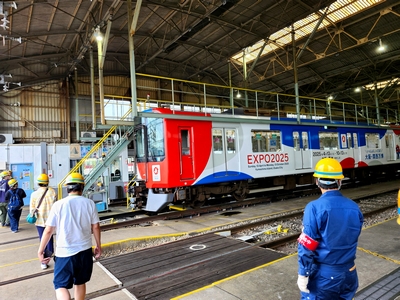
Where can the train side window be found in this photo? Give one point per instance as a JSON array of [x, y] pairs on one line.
[[217, 140], [155, 135], [328, 140], [140, 145], [372, 140], [349, 141], [355, 140], [230, 136], [304, 136], [266, 141], [296, 141], [185, 142]]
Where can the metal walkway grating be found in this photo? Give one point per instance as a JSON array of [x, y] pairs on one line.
[[386, 288]]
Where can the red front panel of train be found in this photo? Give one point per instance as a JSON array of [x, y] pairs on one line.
[[187, 150]]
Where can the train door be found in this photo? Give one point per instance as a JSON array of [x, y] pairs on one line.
[[302, 153], [186, 156], [224, 152], [390, 147]]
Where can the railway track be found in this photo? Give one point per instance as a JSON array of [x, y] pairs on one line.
[[371, 207], [139, 218], [371, 216]]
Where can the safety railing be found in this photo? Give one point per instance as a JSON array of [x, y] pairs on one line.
[[186, 95], [89, 154]]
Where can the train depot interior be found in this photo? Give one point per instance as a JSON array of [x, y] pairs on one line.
[[111, 89]]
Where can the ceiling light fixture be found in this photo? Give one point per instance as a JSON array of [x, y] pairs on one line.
[[381, 46], [98, 35], [238, 95]]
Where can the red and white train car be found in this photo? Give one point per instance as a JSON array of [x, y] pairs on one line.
[[180, 159]]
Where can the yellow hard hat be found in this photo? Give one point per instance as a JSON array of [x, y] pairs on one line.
[[74, 178], [43, 179], [12, 182], [328, 168], [5, 173]]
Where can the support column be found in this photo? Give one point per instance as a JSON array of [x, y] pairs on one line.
[[296, 83], [92, 91], [77, 106], [378, 116], [132, 22]]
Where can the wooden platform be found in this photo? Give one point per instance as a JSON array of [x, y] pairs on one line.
[[179, 267]]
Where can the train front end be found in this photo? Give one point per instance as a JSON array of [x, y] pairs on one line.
[[168, 158]]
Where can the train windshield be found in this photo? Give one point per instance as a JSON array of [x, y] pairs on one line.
[[153, 134]]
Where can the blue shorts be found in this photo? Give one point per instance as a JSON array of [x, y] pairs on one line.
[[76, 269]]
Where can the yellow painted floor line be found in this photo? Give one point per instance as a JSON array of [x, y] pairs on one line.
[[19, 262], [232, 277], [379, 255], [15, 248]]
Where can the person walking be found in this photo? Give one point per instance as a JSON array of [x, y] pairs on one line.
[[328, 243], [4, 187], [46, 196], [74, 218], [14, 198]]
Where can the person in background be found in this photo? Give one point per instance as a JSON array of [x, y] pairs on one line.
[[328, 242], [14, 210], [74, 218], [4, 218], [43, 211]]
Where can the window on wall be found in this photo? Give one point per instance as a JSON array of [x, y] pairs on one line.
[[372, 140], [328, 140], [266, 140]]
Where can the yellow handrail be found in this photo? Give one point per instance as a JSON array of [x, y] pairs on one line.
[[94, 148], [127, 194]]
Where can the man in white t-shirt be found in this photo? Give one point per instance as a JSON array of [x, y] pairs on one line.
[[74, 218]]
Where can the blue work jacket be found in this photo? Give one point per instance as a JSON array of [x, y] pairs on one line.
[[334, 223]]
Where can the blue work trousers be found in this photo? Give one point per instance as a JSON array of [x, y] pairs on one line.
[[49, 249], [14, 216], [332, 282]]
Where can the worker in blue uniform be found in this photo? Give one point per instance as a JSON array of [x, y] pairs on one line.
[[328, 242]]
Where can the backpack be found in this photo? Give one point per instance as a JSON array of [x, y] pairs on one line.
[[15, 202]]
